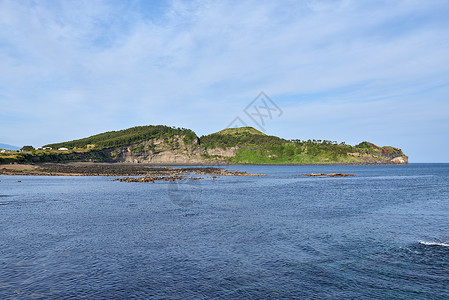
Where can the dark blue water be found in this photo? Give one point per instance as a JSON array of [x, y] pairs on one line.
[[383, 234]]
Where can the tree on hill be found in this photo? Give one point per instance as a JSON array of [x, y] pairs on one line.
[[27, 148]]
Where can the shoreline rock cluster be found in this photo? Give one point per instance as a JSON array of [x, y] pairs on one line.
[[115, 169], [214, 172], [329, 174], [224, 172], [152, 179]]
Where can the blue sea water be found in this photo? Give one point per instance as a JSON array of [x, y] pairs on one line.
[[383, 234]]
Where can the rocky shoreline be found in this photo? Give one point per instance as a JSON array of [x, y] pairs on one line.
[[114, 169], [214, 172], [155, 178], [133, 172], [329, 175]]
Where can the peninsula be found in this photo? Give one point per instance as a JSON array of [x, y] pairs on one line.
[[165, 145]]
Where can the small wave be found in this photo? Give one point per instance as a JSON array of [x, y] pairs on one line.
[[433, 244]]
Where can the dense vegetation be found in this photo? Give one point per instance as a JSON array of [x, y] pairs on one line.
[[27, 148], [242, 138], [240, 130], [303, 152], [127, 136]]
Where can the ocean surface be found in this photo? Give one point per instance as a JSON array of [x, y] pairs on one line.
[[383, 234]]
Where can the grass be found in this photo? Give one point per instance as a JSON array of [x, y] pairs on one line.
[[262, 156], [240, 131]]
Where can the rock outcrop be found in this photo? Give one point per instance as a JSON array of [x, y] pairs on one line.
[[400, 160], [170, 151]]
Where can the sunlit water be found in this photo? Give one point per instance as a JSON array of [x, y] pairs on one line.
[[383, 234]]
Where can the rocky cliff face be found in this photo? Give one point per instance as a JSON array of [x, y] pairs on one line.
[[400, 160], [379, 158], [174, 150], [229, 152]]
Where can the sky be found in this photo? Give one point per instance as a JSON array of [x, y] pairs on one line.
[[341, 70]]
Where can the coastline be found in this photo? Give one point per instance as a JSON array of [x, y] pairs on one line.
[[115, 169], [129, 169]]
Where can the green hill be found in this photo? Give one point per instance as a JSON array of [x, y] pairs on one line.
[[240, 131], [170, 145], [254, 146], [243, 136], [126, 137]]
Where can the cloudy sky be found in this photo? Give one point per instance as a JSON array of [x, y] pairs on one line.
[[345, 70]]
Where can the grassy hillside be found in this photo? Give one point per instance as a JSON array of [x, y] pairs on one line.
[[256, 147], [244, 136], [295, 153], [126, 137], [240, 131]]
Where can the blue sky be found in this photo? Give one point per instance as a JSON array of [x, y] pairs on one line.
[[342, 70]]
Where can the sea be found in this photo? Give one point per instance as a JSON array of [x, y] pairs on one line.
[[381, 234]]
